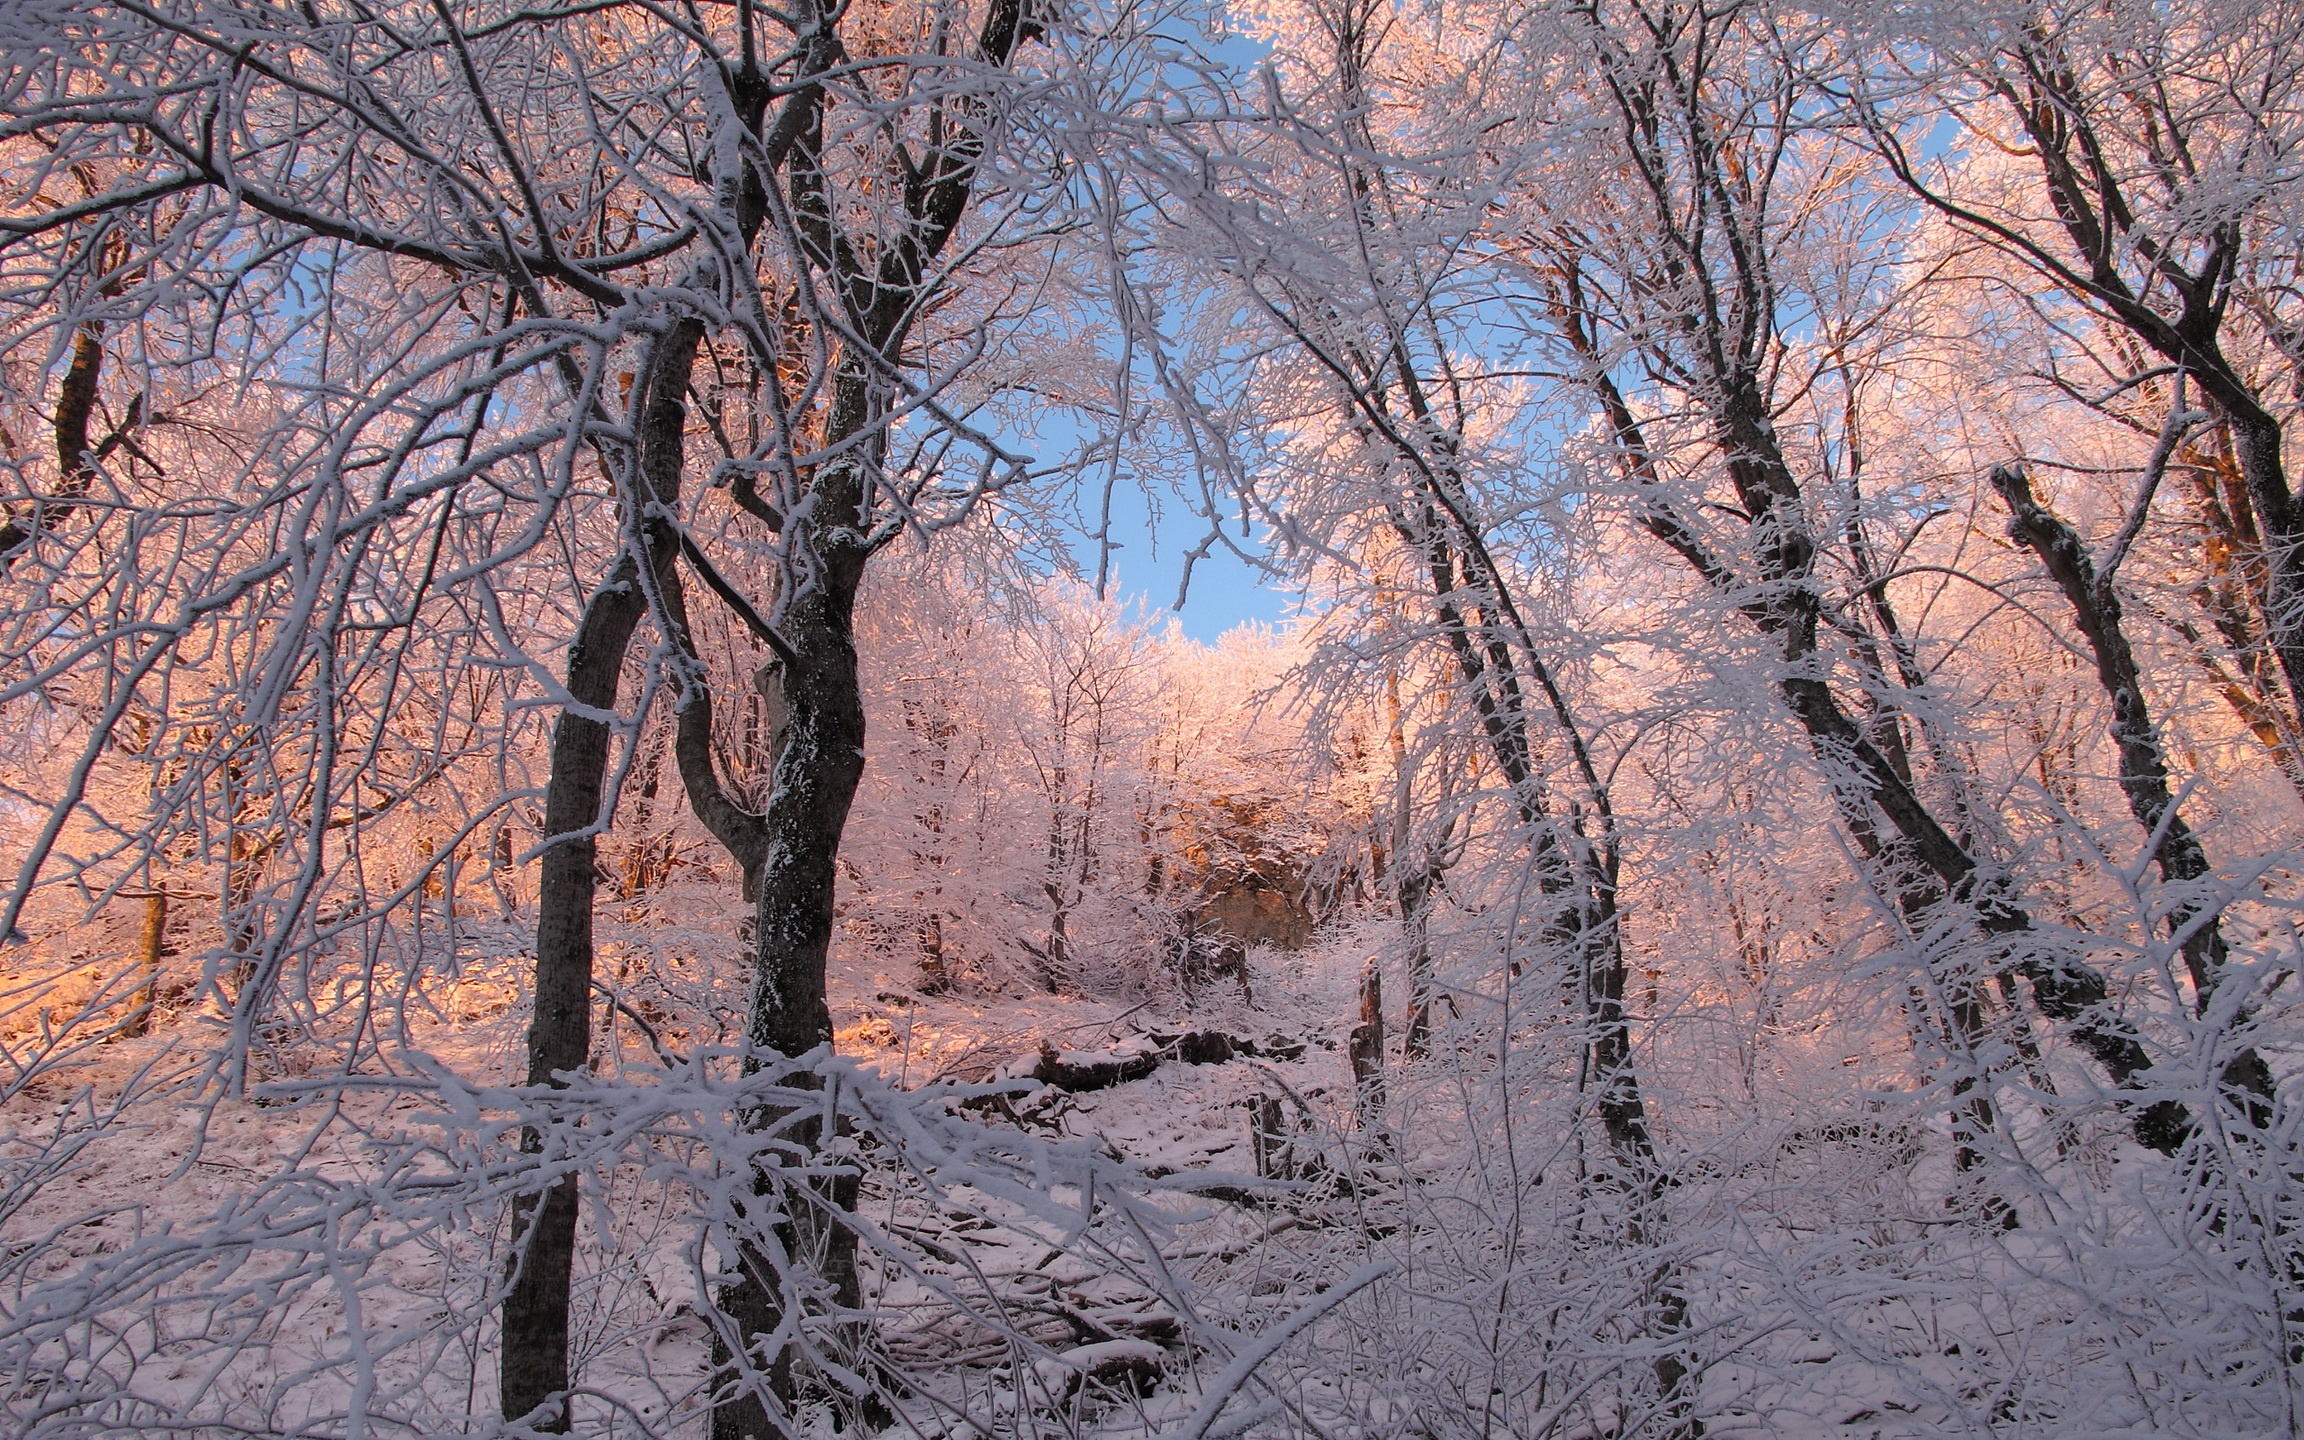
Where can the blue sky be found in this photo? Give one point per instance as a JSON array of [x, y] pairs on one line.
[[1225, 592], [1148, 565]]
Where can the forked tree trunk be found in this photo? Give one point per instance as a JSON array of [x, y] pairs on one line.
[[829, 540], [533, 1365], [2069, 129], [1788, 609], [815, 782], [1504, 674]]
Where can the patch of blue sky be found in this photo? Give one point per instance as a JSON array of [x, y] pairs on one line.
[[1149, 537], [1130, 511], [1159, 560]]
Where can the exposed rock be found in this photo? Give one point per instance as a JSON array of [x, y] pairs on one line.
[[1214, 1047], [1077, 1070], [1111, 1363], [1204, 1047], [1248, 856], [1258, 914]]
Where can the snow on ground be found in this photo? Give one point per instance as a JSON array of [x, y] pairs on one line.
[[1843, 1298], [192, 1151]]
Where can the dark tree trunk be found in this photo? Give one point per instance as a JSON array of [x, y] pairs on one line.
[[878, 287], [1415, 891], [815, 782], [2067, 990], [2143, 768], [1367, 1051], [2070, 139], [1500, 666], [2256, 446], [75, 466], [2234, 592], [533, 1363]]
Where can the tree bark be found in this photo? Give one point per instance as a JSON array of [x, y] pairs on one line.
[[149, 946], [879, 288], [2143, 767], [2234, 592], [75, 466], [2078, 152], [2067, 990], [1367, 1051], [533, 1365], [1415, 882], [1499, 664]]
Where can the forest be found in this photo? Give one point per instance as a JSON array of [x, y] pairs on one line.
[[600, 835]]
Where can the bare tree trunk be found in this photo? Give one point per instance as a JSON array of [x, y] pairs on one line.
[[149, 946], [1268, 1141], [2076, 136], [75, 465], [878, 287], [1415, 882], [815, 782], [533, 1368], [1497, 657], [1787, 608], [1416, 886], [2234, 593], [1056, 954], [2143, 767], [1366, 1048]]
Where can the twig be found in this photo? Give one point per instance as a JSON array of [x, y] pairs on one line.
[[2181, 422]]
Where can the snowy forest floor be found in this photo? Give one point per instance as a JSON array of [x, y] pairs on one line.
[[156, 1151], [1831, 1291]]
